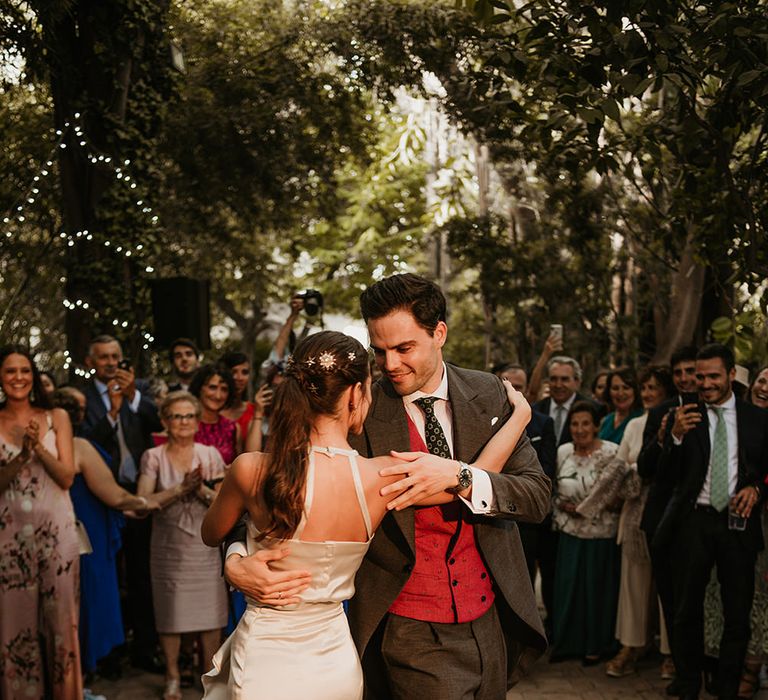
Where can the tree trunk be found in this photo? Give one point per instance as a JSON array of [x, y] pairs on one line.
[[677, 327]]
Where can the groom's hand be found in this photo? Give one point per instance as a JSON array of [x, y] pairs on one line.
[[253, 576], [425, 475]]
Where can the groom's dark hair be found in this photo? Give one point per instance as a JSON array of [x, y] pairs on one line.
[[408, 292]]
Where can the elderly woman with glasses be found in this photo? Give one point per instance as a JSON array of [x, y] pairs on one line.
[[187, 589]]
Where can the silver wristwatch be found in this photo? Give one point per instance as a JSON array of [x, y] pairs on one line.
[[464, 477]]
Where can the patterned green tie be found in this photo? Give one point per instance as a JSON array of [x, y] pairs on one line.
[[718, 487], [433, 431]]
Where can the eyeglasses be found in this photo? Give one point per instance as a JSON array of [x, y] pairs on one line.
[[179, 417]]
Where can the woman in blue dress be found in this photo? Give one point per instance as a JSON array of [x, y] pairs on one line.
[[97, 498]]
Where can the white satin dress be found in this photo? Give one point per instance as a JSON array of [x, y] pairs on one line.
[[304, 651]]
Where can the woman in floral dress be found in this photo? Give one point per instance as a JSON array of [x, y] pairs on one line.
[[39, 550], [588, 564]]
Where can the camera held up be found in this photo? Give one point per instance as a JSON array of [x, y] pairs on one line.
[[313, 301]]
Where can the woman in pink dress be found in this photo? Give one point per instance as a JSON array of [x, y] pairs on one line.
[[188, 592], [39, 547], [214, 387]]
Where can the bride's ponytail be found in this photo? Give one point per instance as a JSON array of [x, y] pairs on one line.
[[322, 367]]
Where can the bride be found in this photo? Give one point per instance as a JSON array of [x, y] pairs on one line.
[[317, 493]]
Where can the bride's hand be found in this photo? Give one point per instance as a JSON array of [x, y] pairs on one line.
[[516, 398], [424, 475]]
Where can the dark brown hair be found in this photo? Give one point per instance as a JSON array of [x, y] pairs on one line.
[[717, 350], [322, 367], [416, 295], [38, 397], [662, 374], [629, 377], [206, 373]]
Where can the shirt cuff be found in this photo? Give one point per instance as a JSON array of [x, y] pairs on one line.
[[134, 405], [237, 548], [675, 440], [482, 501]]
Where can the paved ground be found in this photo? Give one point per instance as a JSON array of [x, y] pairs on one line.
[[561, 681]]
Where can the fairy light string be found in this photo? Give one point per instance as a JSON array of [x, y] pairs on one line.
[[17, 214]]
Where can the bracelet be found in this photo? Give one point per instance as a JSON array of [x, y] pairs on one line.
[[758, 492], [144, 501]]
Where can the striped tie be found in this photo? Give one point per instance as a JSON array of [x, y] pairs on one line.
[[718, 489]]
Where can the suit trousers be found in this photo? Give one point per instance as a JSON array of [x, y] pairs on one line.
[[461, 661], [704, 541]]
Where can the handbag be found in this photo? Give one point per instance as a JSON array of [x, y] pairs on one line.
[[83, 541]]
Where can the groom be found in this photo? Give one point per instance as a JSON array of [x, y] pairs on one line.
[[443, 604]]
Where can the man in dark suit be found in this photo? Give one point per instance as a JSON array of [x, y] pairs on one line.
[[564, 376], [457, 624], [539, 539], [716, 455], [683, 364], [120, 416]]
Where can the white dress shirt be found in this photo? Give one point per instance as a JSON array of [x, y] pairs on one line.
[[729, 415], [553, 406], [482, 498]]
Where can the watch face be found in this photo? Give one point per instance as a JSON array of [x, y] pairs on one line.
[[465, 478]]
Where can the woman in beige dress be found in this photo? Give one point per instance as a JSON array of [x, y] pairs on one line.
[[315, 492], [188, 591]]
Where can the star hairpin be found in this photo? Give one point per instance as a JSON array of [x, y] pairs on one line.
[[309, 362], [313, 388], [351, 356], [326, 360]]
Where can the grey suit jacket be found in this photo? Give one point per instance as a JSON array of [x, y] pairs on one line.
[[522, 492]]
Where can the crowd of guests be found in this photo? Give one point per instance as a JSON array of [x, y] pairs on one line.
[[640, 552], [103, 491]]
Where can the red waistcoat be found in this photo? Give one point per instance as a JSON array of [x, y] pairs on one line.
[[449, 581]]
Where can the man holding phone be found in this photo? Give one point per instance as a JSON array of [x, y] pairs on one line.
[[120, 416], [716, 456]]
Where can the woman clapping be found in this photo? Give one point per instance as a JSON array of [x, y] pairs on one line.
[[39, 548], [187, 588]]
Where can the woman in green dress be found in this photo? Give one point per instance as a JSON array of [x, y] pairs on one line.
[[622, 396], [588, 559]]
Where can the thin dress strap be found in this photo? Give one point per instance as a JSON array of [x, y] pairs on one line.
[[309, 494], [352, 457], [360, 492]]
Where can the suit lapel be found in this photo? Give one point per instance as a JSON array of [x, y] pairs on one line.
[[702, 440], [94, 403], [470, 421]]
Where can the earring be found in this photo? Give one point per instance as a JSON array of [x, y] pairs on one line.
[[32, 395]]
